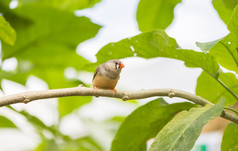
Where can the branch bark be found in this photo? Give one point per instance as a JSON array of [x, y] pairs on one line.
[[124, 95]]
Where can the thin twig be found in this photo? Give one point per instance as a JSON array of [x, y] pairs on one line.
[[229, 52], [222, 84], [231, 109], [124, 95]]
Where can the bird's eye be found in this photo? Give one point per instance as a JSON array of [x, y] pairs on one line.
[[117, 66]]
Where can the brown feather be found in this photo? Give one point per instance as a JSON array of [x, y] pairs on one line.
[[104, 82], [96, 72]]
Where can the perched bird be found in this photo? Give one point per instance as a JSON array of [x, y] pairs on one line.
[[107, 75]]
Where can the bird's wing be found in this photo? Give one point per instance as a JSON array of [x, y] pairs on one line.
[[96, 72]]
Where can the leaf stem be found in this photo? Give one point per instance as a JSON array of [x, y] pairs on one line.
[[227, 88], [229, 52], [231, 109]]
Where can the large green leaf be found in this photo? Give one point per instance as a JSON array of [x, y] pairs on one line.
[[70, 5], [155, 14], [4, 5], [69, 104], [230, 137], [233, 26], [6, 123], [7, 33], [183, 130], [224, 50], [157, 44], [47, 40], [224, 8], [51, 32], [211, 90], [230, 3], [144, 123]]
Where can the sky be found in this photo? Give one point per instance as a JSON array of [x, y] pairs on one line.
[[195, 20]]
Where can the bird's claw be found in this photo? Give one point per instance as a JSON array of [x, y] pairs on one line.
[[95, 88], [114, 91]]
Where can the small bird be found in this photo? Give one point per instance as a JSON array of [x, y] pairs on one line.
[[107, 75]]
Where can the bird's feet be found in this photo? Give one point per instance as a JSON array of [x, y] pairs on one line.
[[114, 91], [95, 88]]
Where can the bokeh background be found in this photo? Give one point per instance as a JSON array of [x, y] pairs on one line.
[[194, 20]]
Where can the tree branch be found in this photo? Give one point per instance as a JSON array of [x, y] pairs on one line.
[[124, 95]]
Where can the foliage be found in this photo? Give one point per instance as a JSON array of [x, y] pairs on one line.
[[6, 123], [155, 14], [7, 33], [229, 137], [144, 123], [183, 130], [43, 35]]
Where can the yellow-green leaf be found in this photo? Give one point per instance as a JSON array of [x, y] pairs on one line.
[[155, 14], [224, 51], [224, 11], [183, 130], [144, 123], [157, 44], [7, 33], [230, 137], [6, 123], [209, 88]]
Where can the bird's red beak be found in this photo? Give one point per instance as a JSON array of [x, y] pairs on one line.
[[122, 65]]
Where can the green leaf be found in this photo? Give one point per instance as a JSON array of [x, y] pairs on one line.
[[69, 104], [183, 130], [206, 46], [69, 5], [211, 90], [226, 53], [51, 33], [47, 40], [4, 5], [223, 10], [233, 26], [156, 44], [144, 123], [230, 3], [224, 50], [155, 14], [230, 137], [6, 123], [7, 33]]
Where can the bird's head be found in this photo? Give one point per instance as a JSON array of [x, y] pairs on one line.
[[115, 64]]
